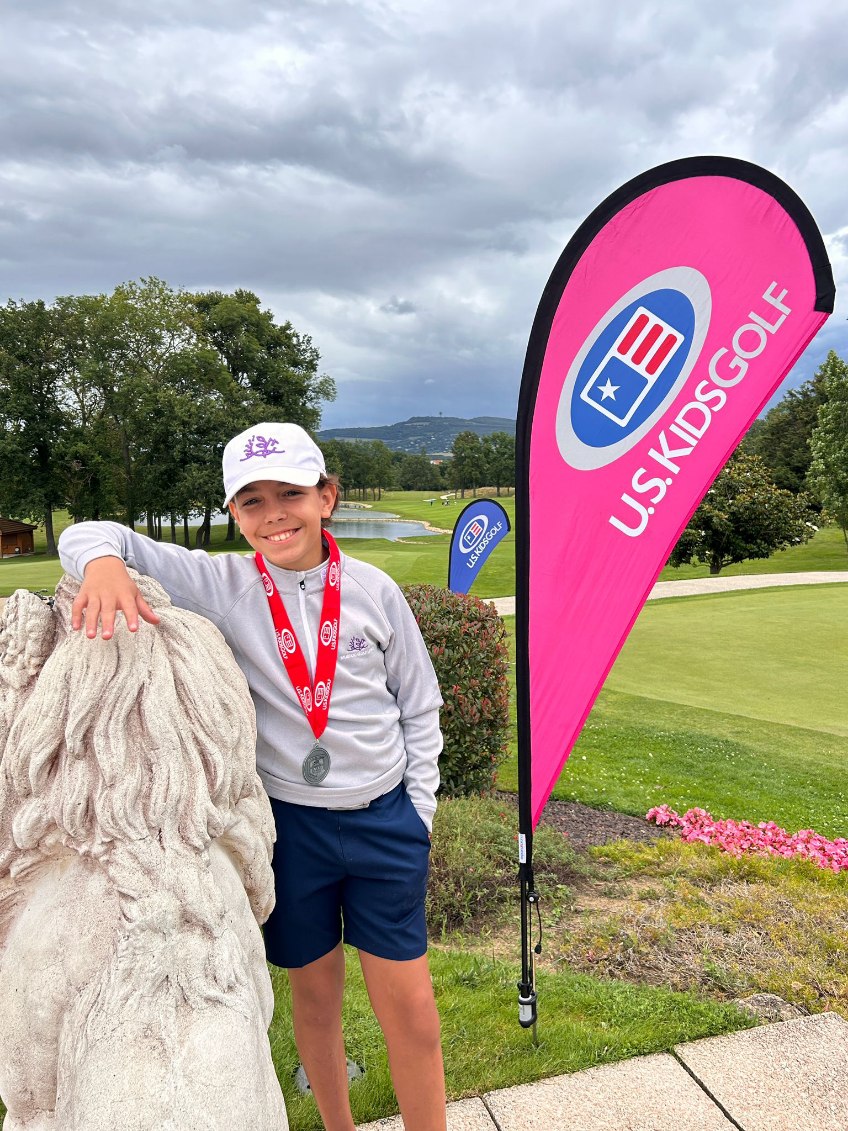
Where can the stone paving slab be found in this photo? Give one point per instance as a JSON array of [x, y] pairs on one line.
[[792, 1076], [787, 1076], [648, 1093], [463, 1115]]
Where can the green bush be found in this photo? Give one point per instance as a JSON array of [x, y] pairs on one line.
[[466, 639], [474, 865]]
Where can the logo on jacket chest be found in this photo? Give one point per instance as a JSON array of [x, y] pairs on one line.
[[353, 647]]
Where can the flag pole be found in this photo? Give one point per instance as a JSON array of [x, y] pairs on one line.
[[529, 898]]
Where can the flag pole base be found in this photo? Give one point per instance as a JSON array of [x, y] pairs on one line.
[[527, 1015]]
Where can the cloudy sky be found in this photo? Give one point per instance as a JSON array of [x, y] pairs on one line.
[[396, 177]]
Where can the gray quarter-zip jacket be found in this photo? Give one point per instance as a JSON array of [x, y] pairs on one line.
[[383, 725]]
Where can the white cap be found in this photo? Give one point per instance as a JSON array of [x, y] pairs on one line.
[[283, 452]]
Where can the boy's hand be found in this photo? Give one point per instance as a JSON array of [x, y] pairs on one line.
[[108, 589]]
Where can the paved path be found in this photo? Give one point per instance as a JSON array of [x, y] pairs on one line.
[[790, 1076], [506, 605]]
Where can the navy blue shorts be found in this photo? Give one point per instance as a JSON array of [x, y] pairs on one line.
[[354, 874]]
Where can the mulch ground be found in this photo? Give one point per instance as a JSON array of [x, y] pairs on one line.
[[585, 826]]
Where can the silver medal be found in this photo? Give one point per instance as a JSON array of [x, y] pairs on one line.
[[316, 765]]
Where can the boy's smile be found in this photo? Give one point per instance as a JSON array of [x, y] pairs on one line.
[[283, 521]]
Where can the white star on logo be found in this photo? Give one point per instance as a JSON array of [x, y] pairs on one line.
[[608, 390]]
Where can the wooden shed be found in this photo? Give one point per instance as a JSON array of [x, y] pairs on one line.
[[16, 538]]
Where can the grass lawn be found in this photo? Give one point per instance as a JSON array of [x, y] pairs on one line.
[[687, 916], [35, 572], [586, 1021], [415, 505], [423, 563], [731, 702], [416, 561], [825, 551], [775, 655]]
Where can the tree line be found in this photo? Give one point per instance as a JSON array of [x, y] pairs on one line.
[[789, 474], [371, 466], [120, 405]]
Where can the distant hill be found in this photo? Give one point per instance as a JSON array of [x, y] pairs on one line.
[[435, 434]]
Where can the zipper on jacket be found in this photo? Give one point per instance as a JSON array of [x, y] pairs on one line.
[[310, 643]]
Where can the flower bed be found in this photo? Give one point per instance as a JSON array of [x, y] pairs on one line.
[[766, 838]]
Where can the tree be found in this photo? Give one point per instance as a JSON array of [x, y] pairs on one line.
[[188, 425], [743, 515], [829, 468], [122, 403], [360, 465], [93, 479], [34, 359], [467, 467], [416, 473], [141, 343], [275, 364], [351, 461], [499, 459], [90, 478], [782, 438], [381, 467]]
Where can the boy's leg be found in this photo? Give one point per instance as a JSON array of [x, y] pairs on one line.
[[307, 922], [402, 997], [317, 1020]]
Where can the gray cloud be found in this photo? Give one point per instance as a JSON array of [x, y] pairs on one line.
[[397, 305], [354, 161]]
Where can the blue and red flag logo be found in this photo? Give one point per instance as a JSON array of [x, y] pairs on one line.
[[472, 532], [631, 366], [635, 362]]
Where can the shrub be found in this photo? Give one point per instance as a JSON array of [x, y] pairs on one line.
[[466, 639], [474, 865]]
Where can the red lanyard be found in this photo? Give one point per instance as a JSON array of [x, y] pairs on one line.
[[314, 698]]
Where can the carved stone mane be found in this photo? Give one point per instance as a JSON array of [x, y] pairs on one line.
[[135, 844]]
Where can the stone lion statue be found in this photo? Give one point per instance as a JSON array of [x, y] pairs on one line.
[[135, 846]]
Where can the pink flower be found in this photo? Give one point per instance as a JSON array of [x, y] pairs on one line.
[[766, 838]]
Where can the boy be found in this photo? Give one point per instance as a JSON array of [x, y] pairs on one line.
[[348, 740]]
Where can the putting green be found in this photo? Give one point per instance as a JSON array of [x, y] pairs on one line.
[[734, 702], [779, 655]]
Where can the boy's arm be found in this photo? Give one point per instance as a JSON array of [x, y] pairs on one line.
[[412, 681], [106, 589], [423, 740], [96, 553]]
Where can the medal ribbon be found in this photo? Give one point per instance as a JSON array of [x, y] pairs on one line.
[[313, 698]]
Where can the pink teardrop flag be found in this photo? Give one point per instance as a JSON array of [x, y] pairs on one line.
[[671, 317]]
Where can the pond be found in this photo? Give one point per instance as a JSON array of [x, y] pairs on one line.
[[357, 522]]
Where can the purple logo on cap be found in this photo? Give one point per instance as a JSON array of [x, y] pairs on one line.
[[259, 446]]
